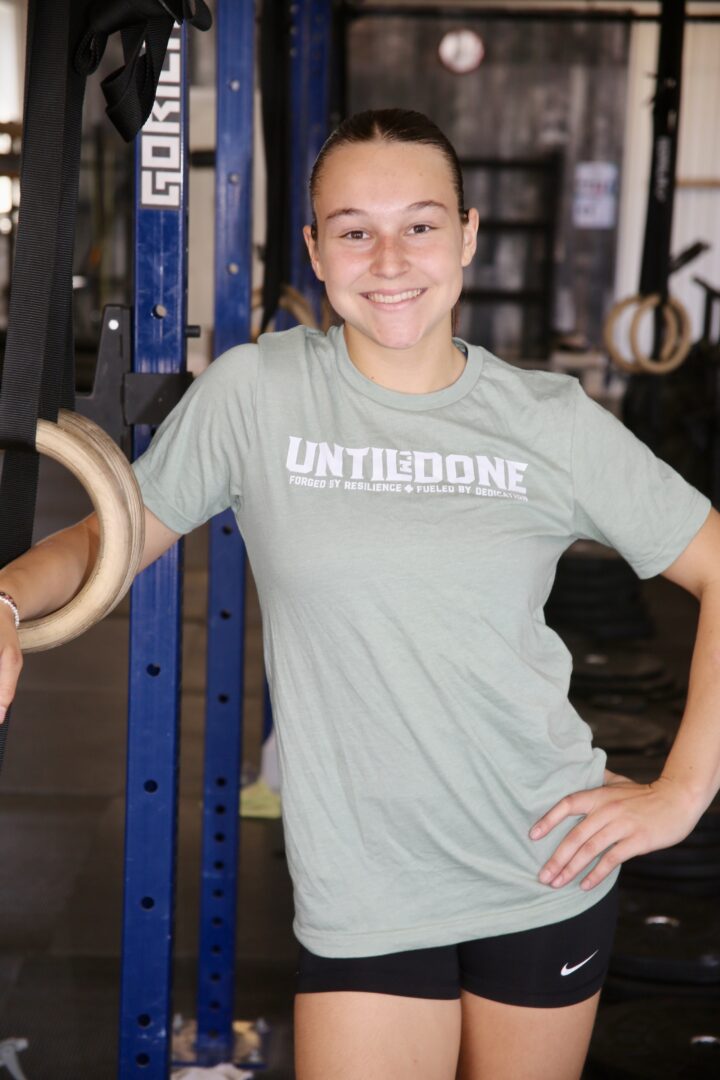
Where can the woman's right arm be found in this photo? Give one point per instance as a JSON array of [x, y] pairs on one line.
[[48, 576]]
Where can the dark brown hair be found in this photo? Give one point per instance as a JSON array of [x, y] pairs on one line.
[[392, 125]]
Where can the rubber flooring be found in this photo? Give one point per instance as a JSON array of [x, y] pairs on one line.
[[61, 841]]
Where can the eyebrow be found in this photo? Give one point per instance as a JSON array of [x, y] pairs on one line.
[[350, 211]]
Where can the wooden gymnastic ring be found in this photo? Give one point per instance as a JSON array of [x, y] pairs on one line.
[[675, 349], [609, 334], [292, 301], [103, 470]]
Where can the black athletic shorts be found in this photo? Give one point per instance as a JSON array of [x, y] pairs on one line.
[[558, 964]]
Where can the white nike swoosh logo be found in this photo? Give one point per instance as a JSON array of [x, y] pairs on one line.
[[569, 970]]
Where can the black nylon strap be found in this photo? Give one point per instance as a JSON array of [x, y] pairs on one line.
[[38, 367], [130, 91], [666, 114], [37, 237], [38, 270], [35, 298]]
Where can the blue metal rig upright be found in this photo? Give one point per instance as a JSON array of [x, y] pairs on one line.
[[160, 318], [309, 110], [226, 587], [155, 651], [310, 69]]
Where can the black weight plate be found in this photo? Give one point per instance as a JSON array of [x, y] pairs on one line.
[[705, 832], [575, 587], [580, 581], [666, 937], [701, 836], [600, 593], [650, 1040], [618, 665], [587, 548], [604, 606], [681, 861], [619, 733], [589, 619], [576, 562], [653, 689], [615, 702], [618, 988], [596, 562], [636, 766], [638, 629], [666, 691], [646, 769], [594, 620], [683, 886]]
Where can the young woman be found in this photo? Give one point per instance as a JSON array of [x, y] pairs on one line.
[[453, 838]]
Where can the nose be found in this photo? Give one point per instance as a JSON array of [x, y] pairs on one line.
[[389, 258]]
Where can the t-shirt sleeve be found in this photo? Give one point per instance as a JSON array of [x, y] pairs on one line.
[[625, 496], [193, 468]]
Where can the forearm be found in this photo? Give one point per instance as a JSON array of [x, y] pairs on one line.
[[48, 575], [694, 760]]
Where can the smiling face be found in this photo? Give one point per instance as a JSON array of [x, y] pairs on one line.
[[391, 244]]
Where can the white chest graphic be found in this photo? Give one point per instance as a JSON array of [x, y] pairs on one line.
[[316, 464]]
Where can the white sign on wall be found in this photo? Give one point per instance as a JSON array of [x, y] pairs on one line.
[[595, 195]]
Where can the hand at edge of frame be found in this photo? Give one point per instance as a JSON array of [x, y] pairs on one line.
[[11, 659]]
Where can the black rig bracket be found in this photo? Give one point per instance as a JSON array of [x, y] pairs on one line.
[[121, 398]]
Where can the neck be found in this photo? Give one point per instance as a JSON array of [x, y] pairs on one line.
[[432, 364]]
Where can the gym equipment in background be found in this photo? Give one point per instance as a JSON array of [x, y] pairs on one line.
[[649, 1040], [678, 416], [672, 335], [305, 125], [292, 301], [596, 593], [676, 339], [92, 456], [677, 332]]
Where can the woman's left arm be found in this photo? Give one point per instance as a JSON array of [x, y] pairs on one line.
[[624, 818]]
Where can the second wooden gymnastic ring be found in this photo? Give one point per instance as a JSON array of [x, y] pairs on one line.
[[292, 301], [103, 470], [675, 348], [612, 349]]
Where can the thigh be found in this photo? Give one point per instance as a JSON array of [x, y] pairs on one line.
[[353, 1035], [514, 1042], [529, 1000], [373, 1017]]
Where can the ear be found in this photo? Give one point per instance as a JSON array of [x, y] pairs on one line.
[[470, 229], [311, 244]]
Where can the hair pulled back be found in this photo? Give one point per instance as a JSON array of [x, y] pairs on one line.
[[390, 125]]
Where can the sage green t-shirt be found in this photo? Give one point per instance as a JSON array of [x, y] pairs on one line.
[[403, 547]]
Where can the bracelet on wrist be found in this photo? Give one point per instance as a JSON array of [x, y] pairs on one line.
[[6, 599]]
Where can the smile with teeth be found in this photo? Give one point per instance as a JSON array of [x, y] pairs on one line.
[[393, 298]]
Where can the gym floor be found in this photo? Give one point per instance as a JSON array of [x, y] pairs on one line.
[[62, 806]]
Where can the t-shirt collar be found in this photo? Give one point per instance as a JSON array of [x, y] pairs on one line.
[[400, 399]]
